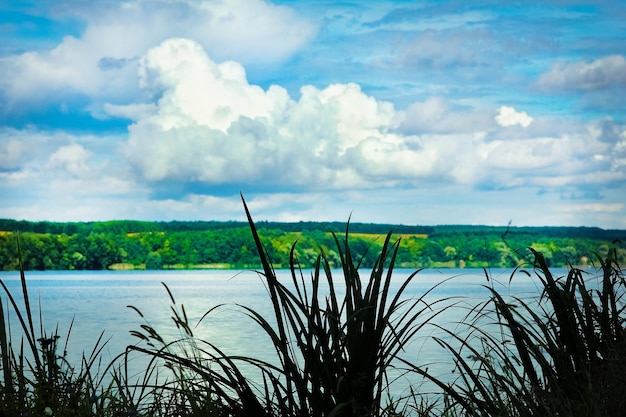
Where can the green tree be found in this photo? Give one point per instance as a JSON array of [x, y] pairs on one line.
[[102, 251], [154, 261]]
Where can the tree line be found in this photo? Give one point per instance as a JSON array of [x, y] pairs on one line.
[[211, 244]]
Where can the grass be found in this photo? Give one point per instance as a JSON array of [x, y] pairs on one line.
[[335, 348], [36, 380], [338, 336], [563, 354]]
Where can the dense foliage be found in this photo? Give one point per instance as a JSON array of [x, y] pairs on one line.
[[158, 245]]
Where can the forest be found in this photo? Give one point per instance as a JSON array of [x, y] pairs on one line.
[[213, 244]]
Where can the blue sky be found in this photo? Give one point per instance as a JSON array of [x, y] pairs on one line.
[[412, 112]]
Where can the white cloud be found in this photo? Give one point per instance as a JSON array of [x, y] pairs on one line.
[[199, 91], [595, 207], [11, 151], [70, 68], [508, 116], [211, 126], [102, 62], [602, 73], [439, 115], [63, 170], [203, 127], [28, 149], [74, 159], [129, 111]]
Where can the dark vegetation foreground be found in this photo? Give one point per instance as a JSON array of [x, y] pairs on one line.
[[560, 354]]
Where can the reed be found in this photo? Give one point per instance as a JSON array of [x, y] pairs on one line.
[[337, 333], [562, 355], [36, 379], [335, 349], [334, 346], [188, 376]]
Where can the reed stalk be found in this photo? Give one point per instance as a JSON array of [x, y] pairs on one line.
[[335, 349], [35, 378], [563, 355]]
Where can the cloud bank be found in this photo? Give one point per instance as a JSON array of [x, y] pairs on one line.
[[425, 113], [102, 62], [211, 126]]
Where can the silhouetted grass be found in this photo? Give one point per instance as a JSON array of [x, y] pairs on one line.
[[337, 334], [336, 348], [563, 354], [36, 380]]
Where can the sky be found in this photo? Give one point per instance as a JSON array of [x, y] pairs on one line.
[[400, 112]]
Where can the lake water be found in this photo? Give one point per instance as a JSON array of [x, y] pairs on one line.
[[98, 301]]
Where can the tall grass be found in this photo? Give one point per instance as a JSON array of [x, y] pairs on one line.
[[338, 334], [36, 379], [335, 342], [336, 348], [189, 377], [561, 355], [336, 339]]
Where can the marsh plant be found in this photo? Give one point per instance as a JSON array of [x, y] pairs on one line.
[[563, 354], [335, 340], [336, 349], [36, 379], [338, 334], [188, 376]]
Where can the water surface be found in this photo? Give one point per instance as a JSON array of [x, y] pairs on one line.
[[98, 301]]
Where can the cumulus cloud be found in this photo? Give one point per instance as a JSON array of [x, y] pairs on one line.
[[211, 126], [205, 122], [198, 90], [508, 116], [440, 115], [604, 72], [11, 152], [61, 169], [102, 62], [73, 158]]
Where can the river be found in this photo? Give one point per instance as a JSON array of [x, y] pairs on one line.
[[98, 302]]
